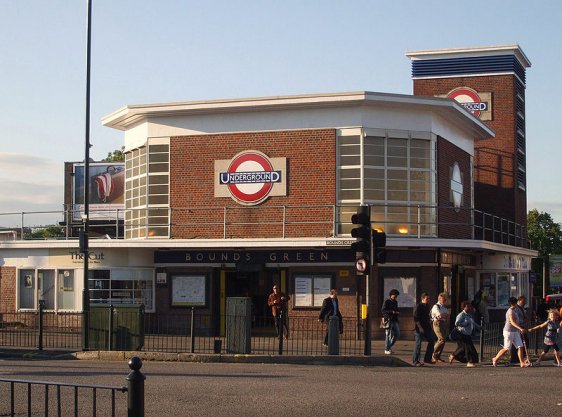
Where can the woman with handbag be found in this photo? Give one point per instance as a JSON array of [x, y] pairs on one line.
[[465, 323]]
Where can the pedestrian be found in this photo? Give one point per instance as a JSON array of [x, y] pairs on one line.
[[552, 325], [423, 330], [466, 324], [390, 314], [278, 303], [440, 321], [522, 320], [330, 308], [511, 334]]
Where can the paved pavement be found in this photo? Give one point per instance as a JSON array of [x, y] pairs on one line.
[[402, 356]]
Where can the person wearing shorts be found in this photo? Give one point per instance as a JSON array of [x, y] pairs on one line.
[[511, 334]]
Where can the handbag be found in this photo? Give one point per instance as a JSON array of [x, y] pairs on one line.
[[455, 334], [385, 324]]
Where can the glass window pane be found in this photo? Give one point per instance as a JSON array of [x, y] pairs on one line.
[[66, 294], [350, 160], [349, 140], [26, 288], [398, 195], [374, 195], [47, 293], [397, 162], [350, 173], [350, 195]]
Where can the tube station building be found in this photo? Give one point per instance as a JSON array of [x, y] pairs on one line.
[[224, 198]]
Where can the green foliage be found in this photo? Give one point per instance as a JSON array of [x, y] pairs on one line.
[[544, 234], [116, 156], [44, 232]]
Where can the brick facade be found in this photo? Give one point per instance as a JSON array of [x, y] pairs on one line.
[[311, 172], [495, 168], [453, 223], [8, 288]]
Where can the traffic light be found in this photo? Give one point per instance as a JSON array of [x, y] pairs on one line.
[[362, 246], [379, 244]]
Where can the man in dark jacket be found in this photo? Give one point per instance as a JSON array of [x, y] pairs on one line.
[[331, 308], [422, 331]]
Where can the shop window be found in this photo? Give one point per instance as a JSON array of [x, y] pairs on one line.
[[407, 288], [54, 287], [311, 290], [122, 286], [503, 290]]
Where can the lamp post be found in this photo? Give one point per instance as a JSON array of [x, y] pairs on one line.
[[84, 247]]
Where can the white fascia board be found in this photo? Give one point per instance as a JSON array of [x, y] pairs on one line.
[[513, 49]]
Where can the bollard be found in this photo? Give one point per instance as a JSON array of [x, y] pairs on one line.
[[41, 317], [135, 388], [192, 331], [334, 336], [280, 324]]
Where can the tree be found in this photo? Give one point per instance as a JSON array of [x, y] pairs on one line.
[[544, 234], [44, 232], [116, 156]]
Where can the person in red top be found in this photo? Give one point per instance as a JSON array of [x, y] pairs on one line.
[[278, 303]]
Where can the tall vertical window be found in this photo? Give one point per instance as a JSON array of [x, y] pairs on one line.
[[395, 173], [147, 190]]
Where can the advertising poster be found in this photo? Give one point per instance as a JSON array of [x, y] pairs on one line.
[[555, 262], [188, 291], [107, 190]]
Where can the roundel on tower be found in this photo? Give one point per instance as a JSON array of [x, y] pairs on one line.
[[469, 99], [250, 176]]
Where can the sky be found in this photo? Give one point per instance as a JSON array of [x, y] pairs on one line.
[[171, 50]]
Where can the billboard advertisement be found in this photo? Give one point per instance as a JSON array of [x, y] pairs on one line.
[[555, 262], [107, 190]]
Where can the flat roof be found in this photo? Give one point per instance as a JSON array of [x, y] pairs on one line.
[[130, 115], [513, 49]]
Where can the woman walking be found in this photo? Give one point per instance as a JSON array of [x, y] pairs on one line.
[[512, 332], [465, 323]]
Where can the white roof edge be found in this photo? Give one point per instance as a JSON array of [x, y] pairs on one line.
[[514, 49], [128, 115], [316, 243]]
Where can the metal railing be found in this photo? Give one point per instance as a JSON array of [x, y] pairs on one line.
[[214, 222], [32, 397], [191, 332]]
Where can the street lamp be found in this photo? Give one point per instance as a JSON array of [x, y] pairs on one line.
[[84, 247]]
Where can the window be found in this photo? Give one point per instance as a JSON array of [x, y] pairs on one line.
[[54, 287], [122, 286], [395, 173], [147, 189], [311, 290], [407, 288], [499, 286]]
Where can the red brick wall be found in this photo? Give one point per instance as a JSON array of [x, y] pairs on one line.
[[311, 172], [495, 188], [7, 288], [453, 224]]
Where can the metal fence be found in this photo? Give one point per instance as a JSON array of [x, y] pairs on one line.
[[193, 332], [32, 397], [198, 332], [398, 220]]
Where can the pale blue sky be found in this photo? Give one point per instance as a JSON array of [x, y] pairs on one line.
[[170, 50]]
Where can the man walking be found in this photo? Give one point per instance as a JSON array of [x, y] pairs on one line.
[[278, 303], [423, 330], [440, 320]]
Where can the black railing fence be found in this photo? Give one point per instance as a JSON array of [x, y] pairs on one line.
[[31, 397], [199, 332]]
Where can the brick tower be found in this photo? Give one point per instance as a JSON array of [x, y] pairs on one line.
[[489, 82]]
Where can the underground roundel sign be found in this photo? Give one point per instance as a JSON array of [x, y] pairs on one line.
[[469, 99], [250, 177]]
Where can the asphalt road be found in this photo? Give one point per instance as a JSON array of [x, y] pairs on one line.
[[213, 389]]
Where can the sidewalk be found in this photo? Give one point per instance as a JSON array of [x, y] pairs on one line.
[[402, 356]]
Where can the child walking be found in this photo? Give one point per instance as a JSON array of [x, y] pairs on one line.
[[552, 327]]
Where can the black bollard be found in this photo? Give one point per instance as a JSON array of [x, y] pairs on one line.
[[135, 387]]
